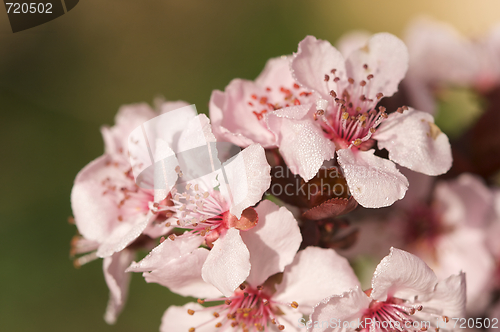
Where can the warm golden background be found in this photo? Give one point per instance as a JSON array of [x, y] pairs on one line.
[[61, 81]]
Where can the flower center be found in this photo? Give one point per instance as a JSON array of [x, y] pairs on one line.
[[249, 309], [350, 118], [205, 213]]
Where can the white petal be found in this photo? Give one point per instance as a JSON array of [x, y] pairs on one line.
[[352, 41], [373, 181], [124, 234], [118, 281], [387, 60], [228, 263], [448, 298], [177, 319], [276, 237], [415, 142], [315, 274], [301, 141], [248, 177], [165, 252], [331, 313], [183, 275], [315, 59], [290, 320], [402, 275]]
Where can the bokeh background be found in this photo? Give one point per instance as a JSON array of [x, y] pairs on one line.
[[61, 81]]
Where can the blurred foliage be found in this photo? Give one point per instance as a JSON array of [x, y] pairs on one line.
[[458, 108], [61, 81]]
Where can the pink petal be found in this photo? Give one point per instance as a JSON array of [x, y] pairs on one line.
[[352, 41], [315, 274], [465, 250], [248, 177], [346, 307], [402, 275], [276, 237], [166, 129], [415, 142], [301, 142], [233, 120], [95, 214], [315, 59], [387, 60], [464, 201], [374, 182], [276, 74], [228, 263], [124, 234], [177, 319], [127, 119], [117, 281]]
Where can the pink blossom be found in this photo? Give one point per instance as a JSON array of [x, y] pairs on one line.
[[446, 225], [265, 303], [111, 212], [344, 118], [405, 292], [237, 114], [441, 57]]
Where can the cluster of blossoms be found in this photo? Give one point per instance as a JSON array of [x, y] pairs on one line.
[[190, 202]]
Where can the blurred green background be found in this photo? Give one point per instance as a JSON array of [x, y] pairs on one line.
[[61, 81]]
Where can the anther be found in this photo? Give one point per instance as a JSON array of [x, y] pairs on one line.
[[188, 186], [327, 78], [333, 94], [192, 329], [216, 314], [228, 302], [162, 239], [362, 83], [294, 305], [219, 324], [369, 77], [260, 288], [380, 95], [357, 142], [171, 237], [191, 312], [281, 327], [333, 71], [446, 319], [345, 116], [242, 287], [336, 79], [365, 66], [399, 110], [350, 80], [200, 301]]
